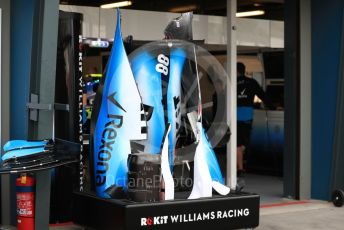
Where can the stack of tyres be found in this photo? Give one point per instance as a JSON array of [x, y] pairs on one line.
[[144, 177]]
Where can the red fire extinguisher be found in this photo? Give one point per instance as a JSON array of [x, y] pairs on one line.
[[25, 202]]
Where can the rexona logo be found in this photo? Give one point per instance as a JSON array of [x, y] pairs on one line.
[[195, 217], [109, 135]]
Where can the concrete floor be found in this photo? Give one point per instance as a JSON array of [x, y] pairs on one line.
[[277, 213], [270, 188], [313, 215], [288, 215]]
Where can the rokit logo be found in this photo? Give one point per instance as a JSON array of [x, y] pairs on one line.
[[157, 220], [195, 217]]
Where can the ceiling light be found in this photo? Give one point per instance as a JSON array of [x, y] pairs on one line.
[[182, 9], [116, 5], [250, 13]]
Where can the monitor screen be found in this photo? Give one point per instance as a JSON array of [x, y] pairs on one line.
[[274, 64]]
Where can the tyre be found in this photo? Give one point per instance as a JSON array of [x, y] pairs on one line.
[[338, 198]]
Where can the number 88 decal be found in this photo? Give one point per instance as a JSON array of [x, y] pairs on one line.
[[162, 66]]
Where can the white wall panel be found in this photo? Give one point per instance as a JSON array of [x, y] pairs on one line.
[[107, 23], [210, 28], [277, 34], [149, 25], [253, 32], [145, 25]]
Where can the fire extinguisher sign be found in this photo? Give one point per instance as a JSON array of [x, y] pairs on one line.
[[25, 203]]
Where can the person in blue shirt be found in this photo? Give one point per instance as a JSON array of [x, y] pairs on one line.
[[247, 89]]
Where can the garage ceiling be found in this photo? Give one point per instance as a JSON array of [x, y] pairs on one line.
[[274, 9]]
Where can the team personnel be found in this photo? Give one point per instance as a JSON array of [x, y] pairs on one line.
[[247, 89]]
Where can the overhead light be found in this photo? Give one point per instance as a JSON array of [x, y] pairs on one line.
[[182, 9], [250, 13], [116, 5]]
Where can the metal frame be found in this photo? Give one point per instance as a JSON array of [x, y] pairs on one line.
[[1, 208], [298, 96], [44, 63], [42, 83], [5, 106], [292, 99], [0, 76], [231, 94], [305, 100], [337, 181]]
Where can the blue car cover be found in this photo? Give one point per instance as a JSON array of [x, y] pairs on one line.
[[120, 120]]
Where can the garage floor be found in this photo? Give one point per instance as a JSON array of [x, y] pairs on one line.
[[289, 215], [270, 188], [312, 215], [278, 213]]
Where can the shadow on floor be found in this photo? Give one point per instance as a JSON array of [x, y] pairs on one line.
[[270, 188]]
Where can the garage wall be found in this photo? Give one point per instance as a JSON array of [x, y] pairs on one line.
[[21, 43], [326, 35], [20, 68], [149, 25]]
